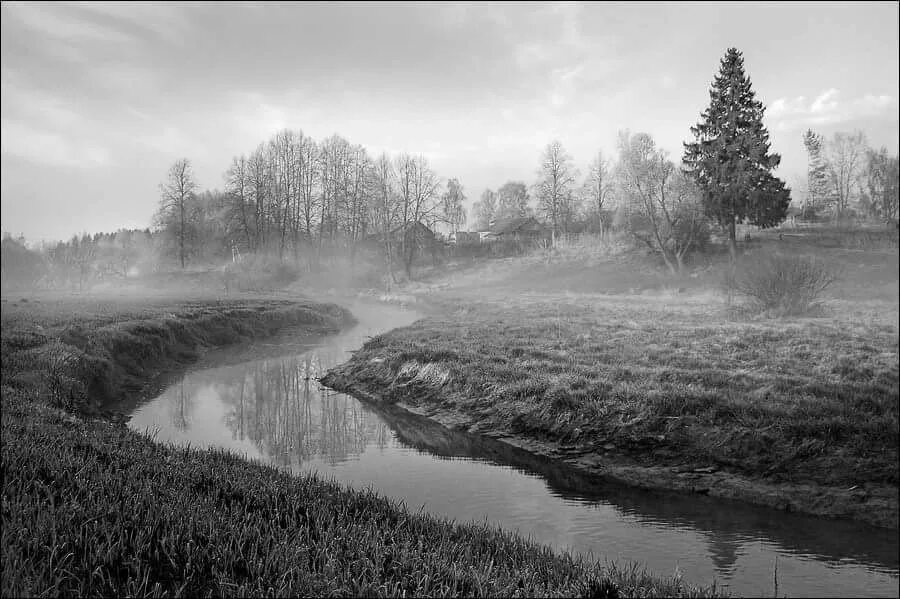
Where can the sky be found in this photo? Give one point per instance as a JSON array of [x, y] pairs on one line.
[[98, 100]]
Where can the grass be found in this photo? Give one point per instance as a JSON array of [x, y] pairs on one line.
[[92, 508], [95, 509], [669, 379], [79, 355], [804, 399]]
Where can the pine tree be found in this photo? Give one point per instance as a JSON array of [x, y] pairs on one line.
[[730, 159]]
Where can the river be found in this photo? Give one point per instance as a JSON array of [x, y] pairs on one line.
[[262, 400]]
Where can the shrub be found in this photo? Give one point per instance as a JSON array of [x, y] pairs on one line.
[[780, 283]]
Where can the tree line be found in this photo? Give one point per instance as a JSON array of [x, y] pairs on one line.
[[299, 197], [847, 179], [295, 197], [308, 200]]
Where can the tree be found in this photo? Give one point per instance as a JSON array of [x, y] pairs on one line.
[[817, 172], [177, 193], [385, 209], [882, 185], [485, 210], [597, 189], [554, 187], [845, 160], [20, 266], [730, 160], [237, 184], [512, 201], [452, 210], [418, 188], [662, 204]]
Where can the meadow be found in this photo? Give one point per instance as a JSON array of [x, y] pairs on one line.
[[592, 356], [93, 508]]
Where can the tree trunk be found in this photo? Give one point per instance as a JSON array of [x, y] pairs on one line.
[[668, 259], [732, 242], [181, 236]]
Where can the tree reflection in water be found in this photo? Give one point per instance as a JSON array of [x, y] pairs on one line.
[[278, 405], [182, 407]]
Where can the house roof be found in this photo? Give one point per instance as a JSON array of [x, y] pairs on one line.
[[417, 224], [512, 225]]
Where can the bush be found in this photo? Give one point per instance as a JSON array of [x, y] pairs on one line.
[[782, 284]]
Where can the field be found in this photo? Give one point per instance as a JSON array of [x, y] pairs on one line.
[[657, 381], [93, 508]]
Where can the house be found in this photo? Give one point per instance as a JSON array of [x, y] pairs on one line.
[[464, 238], [417, 232], [524, 228]]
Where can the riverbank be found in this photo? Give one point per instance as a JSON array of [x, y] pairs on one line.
[[89, 354], [799, 415], [93, 508]]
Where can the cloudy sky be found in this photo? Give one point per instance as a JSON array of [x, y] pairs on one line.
[[99, 99]]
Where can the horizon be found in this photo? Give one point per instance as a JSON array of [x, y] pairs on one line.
[[98, 100]]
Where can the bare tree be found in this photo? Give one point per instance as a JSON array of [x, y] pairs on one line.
[[664, 207], [485, 210], [258, 182], [177, 192], [512, 200], [385, 209], [237, 187], [310, 179], [452, 210], [334, 159], [598, 188], [418, 187], [845, 158], [554, 187], [356, 206], [882, 178]]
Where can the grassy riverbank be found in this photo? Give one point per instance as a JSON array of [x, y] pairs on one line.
[[93, 508], [85, 352], [665, 390]]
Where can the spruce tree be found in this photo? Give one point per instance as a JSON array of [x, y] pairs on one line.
[[730, 159]]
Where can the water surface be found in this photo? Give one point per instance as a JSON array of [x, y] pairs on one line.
[[262, 400]]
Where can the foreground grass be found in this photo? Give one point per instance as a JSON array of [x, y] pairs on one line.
[[93, 508], [660, 383]]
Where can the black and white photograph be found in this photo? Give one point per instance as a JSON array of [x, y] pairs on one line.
[[450, 299]]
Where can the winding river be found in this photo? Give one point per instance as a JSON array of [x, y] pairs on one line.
[[262, 400]]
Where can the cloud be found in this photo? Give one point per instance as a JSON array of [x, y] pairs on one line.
[[167, 21], [783, 106], [826, 103], [49, 20], [40, 146], [828, 108], [875, 103], [44, 129]]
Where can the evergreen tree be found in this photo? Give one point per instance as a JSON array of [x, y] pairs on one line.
[[730, 159]]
